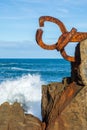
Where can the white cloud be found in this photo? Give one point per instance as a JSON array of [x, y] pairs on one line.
[[24, 49]]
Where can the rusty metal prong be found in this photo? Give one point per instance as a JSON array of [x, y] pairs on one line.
[[66, 39], [40, 32], [67, 57], [42, 19], [41, 43], [63, 41]]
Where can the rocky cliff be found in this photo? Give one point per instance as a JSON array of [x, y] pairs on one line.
[[64, 105]]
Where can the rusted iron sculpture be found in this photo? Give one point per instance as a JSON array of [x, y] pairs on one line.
[[64, 39]]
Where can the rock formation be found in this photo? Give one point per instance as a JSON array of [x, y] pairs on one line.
[[79, 68], [60, 111], [64, 105], [12, 117]]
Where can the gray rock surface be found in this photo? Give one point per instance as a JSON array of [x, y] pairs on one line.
[[83, 65], [79, 68]]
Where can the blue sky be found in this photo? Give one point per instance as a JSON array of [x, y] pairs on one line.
[[19, 22]]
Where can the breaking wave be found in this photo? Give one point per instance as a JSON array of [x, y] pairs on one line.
[[25, 90]]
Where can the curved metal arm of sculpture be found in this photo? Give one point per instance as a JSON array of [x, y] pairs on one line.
[[42, 19], [60, 45], [40, 32], [69, 58], [41, 43], [64, 39], [76, 37]]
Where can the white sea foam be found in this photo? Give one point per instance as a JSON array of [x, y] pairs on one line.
[[25, 90], [17, 68]]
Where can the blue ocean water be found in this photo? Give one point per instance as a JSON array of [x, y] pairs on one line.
[[21, 80], [50, 70]]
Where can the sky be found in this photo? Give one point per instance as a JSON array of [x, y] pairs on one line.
[[19, 23]]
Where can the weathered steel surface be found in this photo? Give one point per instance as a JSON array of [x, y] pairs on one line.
[[64, 39]]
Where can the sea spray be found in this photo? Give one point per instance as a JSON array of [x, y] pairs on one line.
[[26, 90]]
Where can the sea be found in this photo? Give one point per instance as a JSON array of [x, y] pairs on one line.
[[21, 80]]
